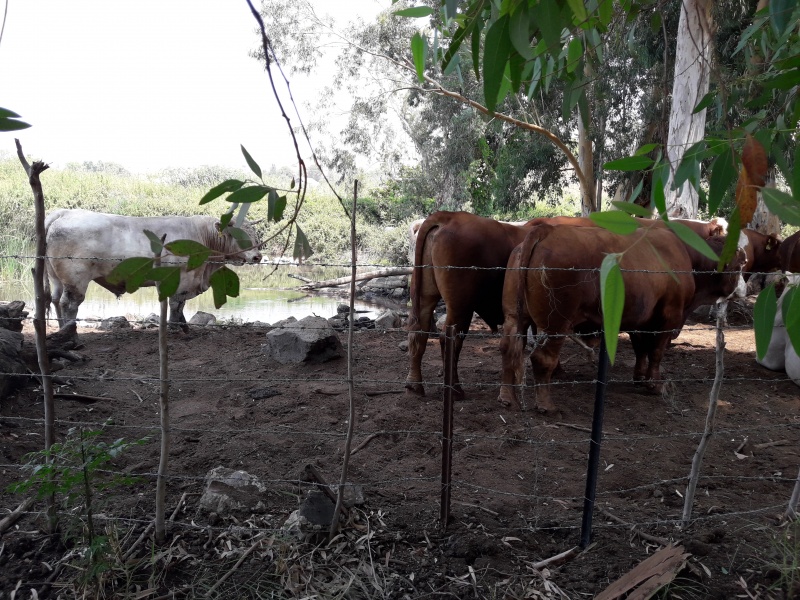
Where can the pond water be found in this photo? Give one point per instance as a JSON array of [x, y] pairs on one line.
[[265, 304]]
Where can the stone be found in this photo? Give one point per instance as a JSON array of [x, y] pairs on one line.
[[114, 324], [12, 365], [399, 293], [263, 393], [403, 345], [311, 339], [312, 519], [151, 321], [12, 315], [388, 319], [202, 318], [284, 322], [388, 283], [229, 491], [353, 494]]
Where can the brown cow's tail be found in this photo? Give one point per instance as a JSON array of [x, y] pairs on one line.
[[418, 272], [536, 235]]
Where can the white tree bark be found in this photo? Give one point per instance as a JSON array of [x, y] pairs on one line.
[[692, 73]]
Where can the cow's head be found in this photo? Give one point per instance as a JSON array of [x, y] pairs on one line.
[[240, 250]]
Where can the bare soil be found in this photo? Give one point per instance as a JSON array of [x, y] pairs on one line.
[[519, 478]]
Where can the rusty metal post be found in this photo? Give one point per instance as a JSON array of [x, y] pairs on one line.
[[447, 423]]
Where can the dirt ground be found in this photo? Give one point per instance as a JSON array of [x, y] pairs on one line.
[[519, 478]]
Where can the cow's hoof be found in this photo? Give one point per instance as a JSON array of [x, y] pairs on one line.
[[415, 388], [548, 409]]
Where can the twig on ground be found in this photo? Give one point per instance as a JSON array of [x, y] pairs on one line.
[[557, 559], [138, 541], [641, 534], [771, 444], [15, 515], [244, 555], [79, 397], [178, 507], [368, 439], [483, 508], [578, 427]]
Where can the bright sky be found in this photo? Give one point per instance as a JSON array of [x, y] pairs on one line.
[[147, 84]]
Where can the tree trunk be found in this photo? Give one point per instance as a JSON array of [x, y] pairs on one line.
[[586, 162], [692, 72], [764, 221]]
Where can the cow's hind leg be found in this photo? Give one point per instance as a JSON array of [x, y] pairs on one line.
[[176, 317], [461, 322], [70, 299], [419, 325], [544, 360]]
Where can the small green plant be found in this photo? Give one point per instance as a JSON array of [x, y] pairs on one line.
[[787, 563], [73, 471]]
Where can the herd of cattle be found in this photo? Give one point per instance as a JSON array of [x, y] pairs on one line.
[[545, 274]]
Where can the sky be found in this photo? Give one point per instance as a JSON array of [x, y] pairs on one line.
[[149, 84]]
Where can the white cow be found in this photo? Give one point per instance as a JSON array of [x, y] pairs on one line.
[[781, 355], [84, 246]]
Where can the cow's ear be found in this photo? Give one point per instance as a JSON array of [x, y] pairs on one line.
[[218, 226]]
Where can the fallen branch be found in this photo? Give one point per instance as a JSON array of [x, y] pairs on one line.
[[387, 272], [138, 541], [363, 444], [15, 515], [239, 562], [177, 508], [383, 392], [771, 444], [301, 278], [578, 427], [641, 534], [483, 508], [557, 559], [79, 397], [312, 474], [66, 354]]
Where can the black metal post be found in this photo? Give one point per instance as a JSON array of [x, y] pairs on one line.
[[594, 446]]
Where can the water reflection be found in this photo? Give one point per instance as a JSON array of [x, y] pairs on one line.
[[265, 296]]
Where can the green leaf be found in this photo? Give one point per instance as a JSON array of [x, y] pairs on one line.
[[450, 8], [731, 239], [6, 113], [657, 193], [225, 220], [197, 252], [418, 51], [629, 163], [169, 279], [452, 65], [780, 11], [279, 208], [224, 282], [246, 195], [519, 31], [229, 185], [250, 162], [764, 312], [605, 9], [782, 204], [547, 15], [11, 124], [242, 239], [496, 50], [646, 149], [615, 221], [635, 194], [790, 309], [723, 173], [302, 249], [415, 12], [272, 199], [690, 238], [631, 208], [535, 77], [574, 54], [156, 246], [579, 10], [707, 100], [612, 298], [133, 272], [689, 169]]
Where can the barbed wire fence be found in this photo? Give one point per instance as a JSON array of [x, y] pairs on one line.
[[544, 500]]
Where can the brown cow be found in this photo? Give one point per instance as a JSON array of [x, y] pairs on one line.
[[790, 253], [461, 258], [705, 229], [763, 252], [563, 295]]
